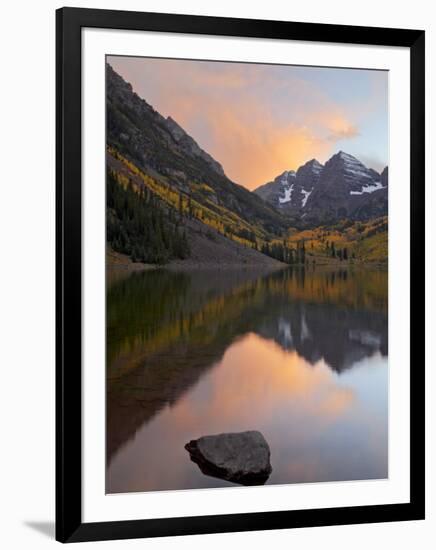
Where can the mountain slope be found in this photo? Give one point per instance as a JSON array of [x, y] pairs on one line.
[[160, 148], [153, 224], [346, 240]]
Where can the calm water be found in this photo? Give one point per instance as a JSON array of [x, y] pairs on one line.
[[299, 354]]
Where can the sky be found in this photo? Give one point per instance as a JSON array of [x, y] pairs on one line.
[[260, 120]]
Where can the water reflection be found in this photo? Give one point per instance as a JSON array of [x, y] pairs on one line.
[[298, 354]]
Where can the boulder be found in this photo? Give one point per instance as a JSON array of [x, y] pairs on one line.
[[242, 457]]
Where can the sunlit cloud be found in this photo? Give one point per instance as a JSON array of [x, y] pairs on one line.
[[256, 120]]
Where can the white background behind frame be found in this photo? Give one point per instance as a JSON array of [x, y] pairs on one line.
[[100, 507]]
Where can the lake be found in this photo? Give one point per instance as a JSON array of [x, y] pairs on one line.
[[299, 354]]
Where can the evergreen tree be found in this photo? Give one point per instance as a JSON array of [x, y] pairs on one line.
[[139, 225], [301, 253], [180, 206], [189, 206]]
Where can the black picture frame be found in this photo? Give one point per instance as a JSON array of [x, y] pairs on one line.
[[69, 525]]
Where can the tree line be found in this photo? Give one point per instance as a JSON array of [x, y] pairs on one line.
[[339, 253], [285, 253]]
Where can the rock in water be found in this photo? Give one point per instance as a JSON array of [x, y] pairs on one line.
[[238, 457]]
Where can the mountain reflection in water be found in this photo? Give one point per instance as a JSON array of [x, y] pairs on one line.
[[299, 354]]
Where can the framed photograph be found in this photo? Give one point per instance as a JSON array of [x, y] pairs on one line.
[[240, 274]]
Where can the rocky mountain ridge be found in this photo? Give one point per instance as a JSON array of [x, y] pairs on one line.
[[343, 188], [161, 148]]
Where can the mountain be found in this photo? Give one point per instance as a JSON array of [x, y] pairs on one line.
[[343, 188], [275, 192], [291, 190], [161, 149], [190, 146], [347, 189]]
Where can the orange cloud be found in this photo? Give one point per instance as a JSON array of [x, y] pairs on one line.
[[249, 143], [338, 127], [253, 121]]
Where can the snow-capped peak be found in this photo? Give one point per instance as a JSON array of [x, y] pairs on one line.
[[352, 167], [314, 165], [346, 156], [355, 175], [284, 178]]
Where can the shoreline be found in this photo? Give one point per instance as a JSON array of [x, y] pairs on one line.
[[133, 267], [120, 262], [116, 263]]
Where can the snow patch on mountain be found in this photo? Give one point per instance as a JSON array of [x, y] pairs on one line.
[[288, 195], [368, 188], [306, 196]]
